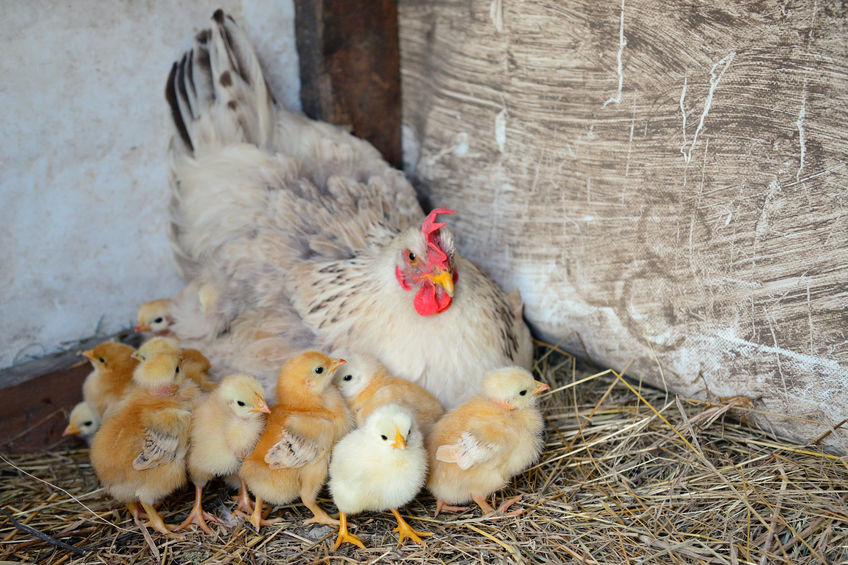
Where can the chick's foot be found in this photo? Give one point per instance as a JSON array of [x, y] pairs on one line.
[[404, 530], [442, 507], [345, 536]]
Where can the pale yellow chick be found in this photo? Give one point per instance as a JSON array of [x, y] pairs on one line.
[[225, 426], [154, 317], [366, 385], [112, 376], [195, 364], [476, 448], [83, 421], [293, 453], [139, 452], [379, 466]]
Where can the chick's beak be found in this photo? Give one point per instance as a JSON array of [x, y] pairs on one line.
[[71, 430], [443, 278], [540, 387], [88, 354], [261, 406], [142, 328], [400, 442], [335, 364]]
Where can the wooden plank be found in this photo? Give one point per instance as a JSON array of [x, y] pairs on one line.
[[349, 68]]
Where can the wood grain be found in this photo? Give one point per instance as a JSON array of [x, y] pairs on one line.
[[667, 179]]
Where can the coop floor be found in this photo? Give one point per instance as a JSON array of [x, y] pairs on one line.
[[629, 475]]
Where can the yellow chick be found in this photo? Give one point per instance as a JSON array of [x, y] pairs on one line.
[[476, 448], [366, 385], [83, 421], [293, 453], [155, 317], [379, 466], [225, 426], [139, 452], [112, 376], [194, 363]]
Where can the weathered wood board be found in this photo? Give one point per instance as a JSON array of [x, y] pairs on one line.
[[668, 179]]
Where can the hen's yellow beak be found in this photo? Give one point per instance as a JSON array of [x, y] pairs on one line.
[[261, 406], [71, 430], [399, 442], [540, 387], [444, 279]]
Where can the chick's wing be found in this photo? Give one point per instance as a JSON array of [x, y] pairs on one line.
[[467, 451], [163, 436], [292, 450]]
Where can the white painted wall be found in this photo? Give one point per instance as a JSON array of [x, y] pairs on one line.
[[83, 173]]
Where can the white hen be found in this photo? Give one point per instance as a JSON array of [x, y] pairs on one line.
[[310, 239]]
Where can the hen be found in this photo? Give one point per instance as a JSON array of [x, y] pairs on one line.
[[309, 239]]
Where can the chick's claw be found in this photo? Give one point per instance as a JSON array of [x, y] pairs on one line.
[[404, 530], [442, 507], [345, 536]]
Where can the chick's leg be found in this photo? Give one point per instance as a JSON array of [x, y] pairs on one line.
[[155, 519], [244, 503], [197, 515], [442, 507], [404, 530], [256, 517], [501, 511], [319, 516], [135, 510], [344, 535]]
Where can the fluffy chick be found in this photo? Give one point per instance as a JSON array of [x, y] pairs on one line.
[[112, 376], [195, 364], [154, 317], [379, 466], [139, 452], [293, 453], [476, 448], [225, 426], [83, 421], [366, 385]]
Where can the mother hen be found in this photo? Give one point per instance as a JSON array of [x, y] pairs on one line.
[[297, 235]]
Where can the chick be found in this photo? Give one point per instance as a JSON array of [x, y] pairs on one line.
[[155, 317], [477, 447], [379, 466], [112, 376], [139, 452], [225, 426], [366, 385], [195, 364], [293, 453], [83, 422]]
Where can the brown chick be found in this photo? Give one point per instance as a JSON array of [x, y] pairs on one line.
[[476, 448], [112, 376], [154, 317], [195, 364], [366, 385], [293, 454], [139, 452], [225, 426]]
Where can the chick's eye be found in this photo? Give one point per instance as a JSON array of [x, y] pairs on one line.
[[523, 392], [88, 423], [177, 371], [158, 320], [384, 437], [102, 360], [319, 370], [240, 403], [347, 377]]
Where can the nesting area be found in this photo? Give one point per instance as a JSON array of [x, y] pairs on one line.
[[629, 474]]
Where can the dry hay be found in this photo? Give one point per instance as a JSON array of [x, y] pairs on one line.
[[629, 475]]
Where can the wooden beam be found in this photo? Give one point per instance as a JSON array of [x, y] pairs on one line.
[[349, 68]]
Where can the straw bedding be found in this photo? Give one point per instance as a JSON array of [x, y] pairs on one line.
[[629, 474]]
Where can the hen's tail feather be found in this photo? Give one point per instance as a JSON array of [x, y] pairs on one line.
[[217, 92]]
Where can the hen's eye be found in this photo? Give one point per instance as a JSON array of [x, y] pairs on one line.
[[240, 403], [384, 437], [319, 370], [411, 256], [177, 371], [523, 392], [158, 320], [102, 360], [347, 377]]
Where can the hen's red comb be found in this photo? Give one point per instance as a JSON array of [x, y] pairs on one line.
[[430, 225]]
